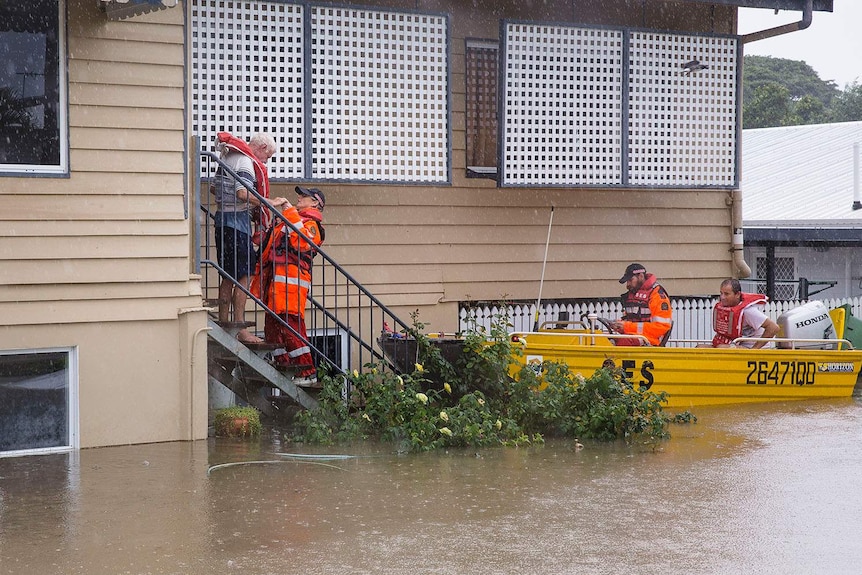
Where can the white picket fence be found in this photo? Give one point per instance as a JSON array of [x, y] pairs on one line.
[[692, 317]]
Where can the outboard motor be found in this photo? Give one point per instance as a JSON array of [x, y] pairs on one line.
[[808, 321]]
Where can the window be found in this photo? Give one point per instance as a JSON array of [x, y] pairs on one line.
[[38, 401], [379, 95], [785, 277], [247, 76], [32, 88], [481, 110]]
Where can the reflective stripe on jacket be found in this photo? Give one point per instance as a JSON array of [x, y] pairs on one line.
[[283, 276], [647, 311]]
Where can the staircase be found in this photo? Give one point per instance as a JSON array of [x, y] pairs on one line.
[[343, 320], [246, 371]]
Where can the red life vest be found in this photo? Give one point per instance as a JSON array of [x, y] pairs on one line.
[[727, 321], [260, 174]]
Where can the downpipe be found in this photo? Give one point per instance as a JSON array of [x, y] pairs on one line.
[[735, 199], [741, 268], [192, 381]]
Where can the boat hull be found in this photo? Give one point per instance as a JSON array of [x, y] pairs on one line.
[[703, 376]]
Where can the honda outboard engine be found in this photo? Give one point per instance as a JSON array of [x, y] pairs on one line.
[[808, 321]]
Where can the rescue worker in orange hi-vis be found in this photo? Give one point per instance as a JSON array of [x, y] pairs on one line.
[[283, 278], [646, 308]]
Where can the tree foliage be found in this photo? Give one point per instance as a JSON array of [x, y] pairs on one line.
[[781, 92], [847, 106]]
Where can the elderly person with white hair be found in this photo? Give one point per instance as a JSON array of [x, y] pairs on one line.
[[233, 219]]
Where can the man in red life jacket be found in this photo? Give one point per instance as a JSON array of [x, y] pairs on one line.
[[283, 278], [646, 308], [739, 314], [233, 219]]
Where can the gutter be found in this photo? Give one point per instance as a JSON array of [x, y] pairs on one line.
[[807, 16]]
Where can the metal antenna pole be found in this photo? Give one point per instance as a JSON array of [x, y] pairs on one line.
[[544, 262]]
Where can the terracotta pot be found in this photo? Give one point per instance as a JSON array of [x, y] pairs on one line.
[[239, 426]]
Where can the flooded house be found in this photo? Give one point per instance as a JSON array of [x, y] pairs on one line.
[[468, 151]]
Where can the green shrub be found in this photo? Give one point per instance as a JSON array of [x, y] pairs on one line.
[[478, 403]]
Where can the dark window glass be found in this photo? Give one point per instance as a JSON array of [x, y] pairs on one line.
[[34, 400], [481, 60], [30, 133]]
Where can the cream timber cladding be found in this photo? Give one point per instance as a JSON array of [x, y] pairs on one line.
[[118, 219], [434, 244], [97, 261]]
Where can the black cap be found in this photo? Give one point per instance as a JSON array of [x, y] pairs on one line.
[[312, 193], [631, 271]]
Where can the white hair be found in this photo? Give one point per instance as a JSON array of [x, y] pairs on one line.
[[264, 142]]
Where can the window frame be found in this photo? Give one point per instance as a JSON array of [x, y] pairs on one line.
[[475, 46], [61, 169], [72, 408]]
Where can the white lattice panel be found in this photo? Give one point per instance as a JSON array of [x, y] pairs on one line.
[[247, 76], [682, 115], [562, 105], [379, 105]]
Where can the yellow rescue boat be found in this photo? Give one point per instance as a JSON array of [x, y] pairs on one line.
[[798, 368]]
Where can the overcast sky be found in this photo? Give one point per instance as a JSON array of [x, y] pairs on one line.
[[832, 45]]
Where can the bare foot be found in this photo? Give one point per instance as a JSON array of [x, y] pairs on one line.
[[246, 336]]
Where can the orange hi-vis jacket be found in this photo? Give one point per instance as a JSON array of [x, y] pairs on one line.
[[283, 275], [647, 311]]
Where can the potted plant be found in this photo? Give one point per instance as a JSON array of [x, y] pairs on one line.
[[237, 421]]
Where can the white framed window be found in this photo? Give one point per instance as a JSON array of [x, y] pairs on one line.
[[33, 102], [38, 401]]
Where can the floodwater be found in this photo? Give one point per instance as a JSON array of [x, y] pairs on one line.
[[752, 489]]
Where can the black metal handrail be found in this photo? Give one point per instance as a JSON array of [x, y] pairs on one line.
[[340, 306]]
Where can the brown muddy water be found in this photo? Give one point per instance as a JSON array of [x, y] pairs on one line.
[[754, 489]]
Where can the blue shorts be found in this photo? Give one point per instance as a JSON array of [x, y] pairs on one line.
[[235, 251]]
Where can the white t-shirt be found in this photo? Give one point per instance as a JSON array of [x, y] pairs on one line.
[[752, 323]]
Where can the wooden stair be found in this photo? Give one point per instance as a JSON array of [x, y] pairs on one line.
[[245, 370]]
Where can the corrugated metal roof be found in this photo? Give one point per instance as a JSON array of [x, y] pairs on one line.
[[800, 176]]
